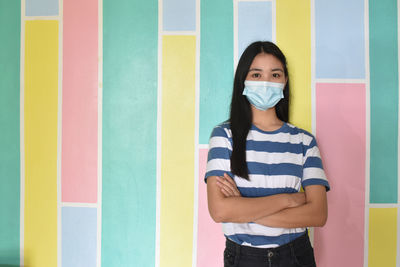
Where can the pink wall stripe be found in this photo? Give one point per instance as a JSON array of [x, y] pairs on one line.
[[340, 131], [211, 240], [79, 102]]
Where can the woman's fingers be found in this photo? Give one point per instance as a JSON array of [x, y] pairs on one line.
[[225, 187], [226, 193], [228, 185], [229, 179], [233, 184]]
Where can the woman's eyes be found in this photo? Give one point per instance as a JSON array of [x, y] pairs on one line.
[[258, 75]]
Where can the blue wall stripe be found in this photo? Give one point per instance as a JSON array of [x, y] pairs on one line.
[[41, 8], [254, 23], [216, 64], [340, 39], [179, 15], [79, 237]]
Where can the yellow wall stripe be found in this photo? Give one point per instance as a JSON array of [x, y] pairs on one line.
[[40, 111], [382, 237], [177, 150], [293, 36]]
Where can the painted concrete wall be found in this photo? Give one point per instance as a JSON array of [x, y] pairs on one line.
[[106, 108]]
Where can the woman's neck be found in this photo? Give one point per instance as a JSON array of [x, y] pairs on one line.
[[266, 120]]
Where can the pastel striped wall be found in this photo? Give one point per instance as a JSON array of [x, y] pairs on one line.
[[216, 41], [106, 108], [79, 134], [59, 85], [40, 140], [340, 126], [10, 24], [340, 145], [129, 181], [79, 102], [293, 36], [177, 149], [384, 106], [383, 192]]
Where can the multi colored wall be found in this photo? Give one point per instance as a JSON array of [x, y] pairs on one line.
[[106, 108]]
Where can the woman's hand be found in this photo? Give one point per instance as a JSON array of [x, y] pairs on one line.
[[228, 186]]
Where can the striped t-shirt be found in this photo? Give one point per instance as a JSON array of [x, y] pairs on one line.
[[279, 161]]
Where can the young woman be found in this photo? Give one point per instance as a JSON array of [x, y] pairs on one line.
[[258, 162]]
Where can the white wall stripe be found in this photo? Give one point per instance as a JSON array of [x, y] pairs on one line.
[[313, 84], [22, 135], [384, 205], [202, 146], [256, 0], [313, 73], [99, 130], [196, 137], [341, 80], [367, 131], [274, 21], [235, 35], [179, 33], [59, 17], [79, 205], [159, 125], [398, 236], [59, 132], [398, 140]]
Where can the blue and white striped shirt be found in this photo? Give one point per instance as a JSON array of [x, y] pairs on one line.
[[278, 161]]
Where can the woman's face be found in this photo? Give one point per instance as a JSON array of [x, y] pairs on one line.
[[266, 67]]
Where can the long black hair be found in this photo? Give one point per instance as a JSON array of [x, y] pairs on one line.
[[240, 114]]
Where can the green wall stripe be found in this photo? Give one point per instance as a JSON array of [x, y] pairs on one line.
[[10, 31], [384, 100], [130, 50], [216, 64]]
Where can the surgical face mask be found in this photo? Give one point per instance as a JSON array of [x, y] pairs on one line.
[[263, 95]]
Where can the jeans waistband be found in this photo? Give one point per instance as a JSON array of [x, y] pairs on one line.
[[303, 239]]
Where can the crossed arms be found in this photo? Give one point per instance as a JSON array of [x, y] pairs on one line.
[[294, 210]]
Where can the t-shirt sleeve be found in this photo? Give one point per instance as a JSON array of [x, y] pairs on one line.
[[219, 153], [313, 171]]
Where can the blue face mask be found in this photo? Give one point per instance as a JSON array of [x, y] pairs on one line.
[[263, 95]]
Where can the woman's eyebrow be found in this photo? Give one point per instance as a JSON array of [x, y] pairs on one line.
[[255, 69], [278, 69]]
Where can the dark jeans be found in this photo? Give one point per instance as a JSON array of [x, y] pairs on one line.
[[297, 253]]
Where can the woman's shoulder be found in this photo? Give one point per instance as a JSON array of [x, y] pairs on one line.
[[223, 126], [306, 135], [222, 129], [297, 129]]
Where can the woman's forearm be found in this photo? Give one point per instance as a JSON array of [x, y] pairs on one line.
[[303, 216], [313, 213], [241, 209]]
